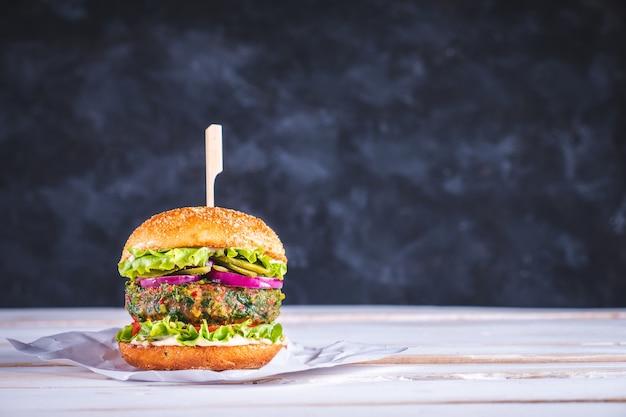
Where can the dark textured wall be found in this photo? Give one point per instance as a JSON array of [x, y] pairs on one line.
[[450, 152]]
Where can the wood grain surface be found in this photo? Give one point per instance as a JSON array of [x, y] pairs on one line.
[[459, 361]]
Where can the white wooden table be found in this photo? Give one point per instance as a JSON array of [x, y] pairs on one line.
[[460, 362]]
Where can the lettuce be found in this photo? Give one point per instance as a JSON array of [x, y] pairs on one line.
[[153, 263], [188, 335]]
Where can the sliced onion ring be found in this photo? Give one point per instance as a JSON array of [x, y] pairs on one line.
[[237, 280], [170, 279]]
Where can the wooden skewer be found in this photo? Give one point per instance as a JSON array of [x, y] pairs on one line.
[[213, 139]]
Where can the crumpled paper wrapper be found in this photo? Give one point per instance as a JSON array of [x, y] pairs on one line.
[[98, 352]]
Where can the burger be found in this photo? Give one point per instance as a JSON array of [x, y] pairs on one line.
[[203, 289]]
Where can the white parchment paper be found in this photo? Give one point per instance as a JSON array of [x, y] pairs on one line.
[[98, 352]]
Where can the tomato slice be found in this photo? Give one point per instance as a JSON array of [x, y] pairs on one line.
[[211, 327], [136, 327]]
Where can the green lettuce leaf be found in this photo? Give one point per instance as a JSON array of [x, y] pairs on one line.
[[151, 263], [154, 263], [188, 335]]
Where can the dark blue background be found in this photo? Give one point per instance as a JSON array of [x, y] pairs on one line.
[[450, 152]]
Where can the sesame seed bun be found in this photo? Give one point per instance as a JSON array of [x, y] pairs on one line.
[[215, 358], [212, 227]]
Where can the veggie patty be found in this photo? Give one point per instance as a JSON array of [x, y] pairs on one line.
[[197, 301]]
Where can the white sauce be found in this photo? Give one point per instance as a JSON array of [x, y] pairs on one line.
[[236, 340]]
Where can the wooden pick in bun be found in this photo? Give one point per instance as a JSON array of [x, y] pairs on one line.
[[204, 291]]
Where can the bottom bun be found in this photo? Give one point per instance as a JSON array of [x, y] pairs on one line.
[[215, 358]]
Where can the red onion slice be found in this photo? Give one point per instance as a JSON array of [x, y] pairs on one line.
[[237, 280], [171, 279]]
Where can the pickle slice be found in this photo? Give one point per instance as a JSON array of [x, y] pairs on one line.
[[200, 270], [239, 265]]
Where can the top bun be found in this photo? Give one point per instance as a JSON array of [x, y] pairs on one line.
[[212, 227]]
